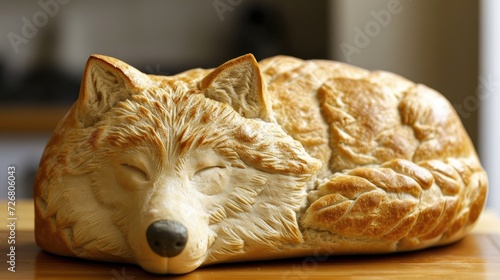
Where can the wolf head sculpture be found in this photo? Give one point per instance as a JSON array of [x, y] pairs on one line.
[[209, 166]]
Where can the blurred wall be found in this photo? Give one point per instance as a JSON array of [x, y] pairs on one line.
[[489, 96], [177, 34]]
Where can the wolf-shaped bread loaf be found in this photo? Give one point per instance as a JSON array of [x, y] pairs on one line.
[[248, 161]]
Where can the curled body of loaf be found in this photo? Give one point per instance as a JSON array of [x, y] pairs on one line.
[[275, 159]]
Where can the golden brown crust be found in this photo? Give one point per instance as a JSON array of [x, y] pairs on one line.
[[407, 167]]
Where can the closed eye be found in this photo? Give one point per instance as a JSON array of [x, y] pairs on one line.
[[208, 169], [210, 180], [134, 170]]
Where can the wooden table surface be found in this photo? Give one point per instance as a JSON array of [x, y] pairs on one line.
[[477, 257]]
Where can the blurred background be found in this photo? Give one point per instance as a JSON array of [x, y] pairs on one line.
[[44, 44]]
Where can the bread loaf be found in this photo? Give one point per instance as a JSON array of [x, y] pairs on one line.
[[248, 161]]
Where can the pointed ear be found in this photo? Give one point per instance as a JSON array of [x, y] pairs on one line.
[[239, 84], [106, 81]]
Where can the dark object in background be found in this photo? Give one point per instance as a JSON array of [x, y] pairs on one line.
[[45, 85], [294, 28], [4, 92], [261, 31]]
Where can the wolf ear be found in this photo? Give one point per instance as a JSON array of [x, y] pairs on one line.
[[239, 84], [106, 81]]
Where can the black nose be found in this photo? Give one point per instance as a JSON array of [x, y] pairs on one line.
[[167, 238]]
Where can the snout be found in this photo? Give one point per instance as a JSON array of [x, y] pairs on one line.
[[169, 234], [167, 238]]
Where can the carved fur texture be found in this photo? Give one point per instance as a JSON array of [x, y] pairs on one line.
[[276, 159]]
